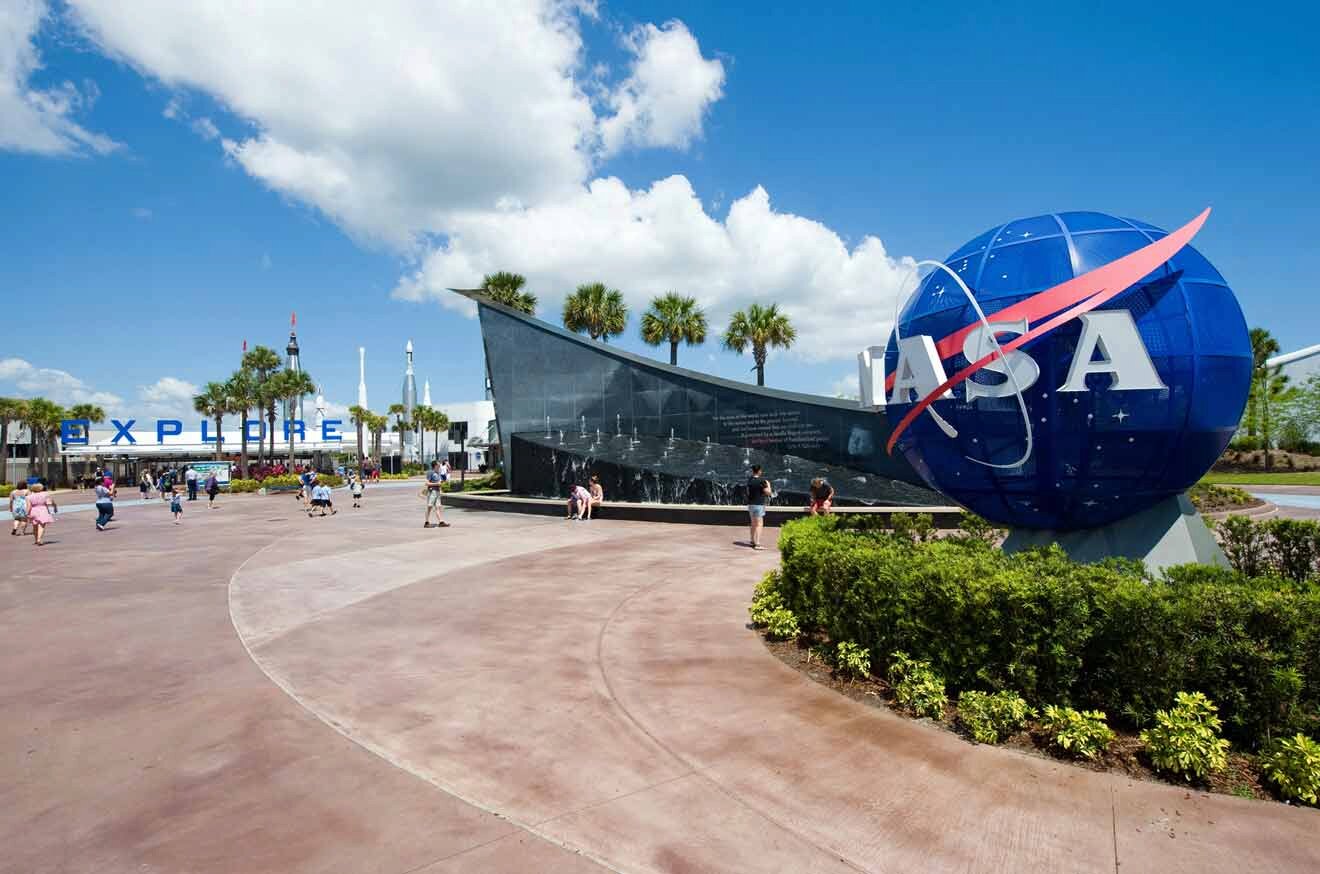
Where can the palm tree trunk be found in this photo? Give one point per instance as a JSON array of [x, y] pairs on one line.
[[219, 439], [270, 417], [673, 352], [242, 446], [758, 353], [290, 445]]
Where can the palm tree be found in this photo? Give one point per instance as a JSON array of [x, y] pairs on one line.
[[242, 391], [43, 421], [290, 385], [376, 424], [597, 310], [12, 411], [506, 288], [359, 416], [431, 419], [675, 318], [213, 403], [761, 328], [94, 415], [263, 362], [1263, 347]]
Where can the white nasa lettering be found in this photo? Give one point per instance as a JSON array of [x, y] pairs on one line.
[[1114, 334], [1024, 369], [918, 370]]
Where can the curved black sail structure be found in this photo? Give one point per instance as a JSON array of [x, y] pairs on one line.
[[568, 407]]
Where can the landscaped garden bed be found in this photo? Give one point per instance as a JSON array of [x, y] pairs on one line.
[[1205, 677]]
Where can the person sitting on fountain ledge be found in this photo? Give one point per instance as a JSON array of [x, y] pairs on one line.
[[597, 496], [579, 503], [822, 497]]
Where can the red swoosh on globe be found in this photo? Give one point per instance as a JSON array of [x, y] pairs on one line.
[[1081, 293]]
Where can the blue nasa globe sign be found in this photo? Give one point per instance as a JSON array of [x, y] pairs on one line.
[[1065, 371]]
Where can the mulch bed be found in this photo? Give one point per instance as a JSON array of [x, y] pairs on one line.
[[1241, 778]]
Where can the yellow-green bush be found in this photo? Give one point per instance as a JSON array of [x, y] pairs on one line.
[[1185, 738]]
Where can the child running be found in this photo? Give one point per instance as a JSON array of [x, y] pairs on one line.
[[176, 504], [18, 509]]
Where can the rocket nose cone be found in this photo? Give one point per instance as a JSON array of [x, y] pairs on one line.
[[408, 348]]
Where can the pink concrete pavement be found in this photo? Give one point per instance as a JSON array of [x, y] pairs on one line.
[[511, 694]]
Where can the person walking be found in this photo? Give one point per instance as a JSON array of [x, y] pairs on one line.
[[190, 479], [41, 512], [433, 490], [18, 508], [212, 489], [176, 504], [105, 505], [144, 484], [758, 491], [355, 487]]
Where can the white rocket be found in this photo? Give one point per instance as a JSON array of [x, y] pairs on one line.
[[426, 394]]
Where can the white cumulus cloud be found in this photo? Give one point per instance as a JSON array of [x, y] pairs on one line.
[[386, 117], [650, 241], [665, 97], [55, 385], [471, 136], [33, 119]]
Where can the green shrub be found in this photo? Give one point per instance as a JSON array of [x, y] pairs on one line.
[[851, 660], [1287, 547], [1244, 544], [6, 489], [765, 600], [1293, 766], [1296, 544], [917, 686], [240, 485], [917, 527], [1105, 636], [1208, 497], [1185, 738], [991, 718], [781, 624], [1080, 732], [404, 475], [974, 527]]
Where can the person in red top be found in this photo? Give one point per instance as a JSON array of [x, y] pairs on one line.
[[822, 498]]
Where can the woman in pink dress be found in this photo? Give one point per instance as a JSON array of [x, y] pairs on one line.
[[41, 507]]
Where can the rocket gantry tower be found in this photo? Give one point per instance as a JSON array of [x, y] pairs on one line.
[[408, 438]]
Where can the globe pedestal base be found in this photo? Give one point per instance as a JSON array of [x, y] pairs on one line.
[[1169, 533]]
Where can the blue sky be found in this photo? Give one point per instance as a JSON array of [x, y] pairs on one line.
[[140, 247]]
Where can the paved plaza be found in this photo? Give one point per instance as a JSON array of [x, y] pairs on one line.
[[255, 691]]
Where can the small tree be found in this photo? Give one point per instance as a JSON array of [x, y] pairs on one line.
[[12, 412], [95, 416], [290, 385], [264, 362], [242, 390], [213, 403], [675, 319], [761, 328], [596, 310], [359, 416]]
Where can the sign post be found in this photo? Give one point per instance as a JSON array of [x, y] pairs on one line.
[[458, 431]]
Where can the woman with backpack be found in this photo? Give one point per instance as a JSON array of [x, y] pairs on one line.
[[18, 508], [212, 489]]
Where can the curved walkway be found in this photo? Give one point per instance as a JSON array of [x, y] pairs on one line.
[[510, 694]]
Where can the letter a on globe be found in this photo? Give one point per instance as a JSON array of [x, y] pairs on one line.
[[918, 370]]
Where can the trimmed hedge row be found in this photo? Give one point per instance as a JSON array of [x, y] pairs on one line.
[[287, 481], [1106, 636]]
